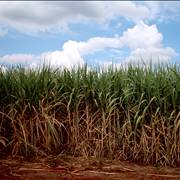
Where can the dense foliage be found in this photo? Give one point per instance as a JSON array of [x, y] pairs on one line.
[[127, 113]]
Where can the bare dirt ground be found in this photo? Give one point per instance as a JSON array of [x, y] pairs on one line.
[[68, 168]]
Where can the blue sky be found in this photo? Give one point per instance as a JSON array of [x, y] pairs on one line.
[[78, 32]]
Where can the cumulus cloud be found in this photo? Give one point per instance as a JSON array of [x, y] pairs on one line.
[[146, 45], [42, 16], [142, 36], [69, 57], [144, 41]]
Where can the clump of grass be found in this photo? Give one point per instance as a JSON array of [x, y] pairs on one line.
[[131, 113]]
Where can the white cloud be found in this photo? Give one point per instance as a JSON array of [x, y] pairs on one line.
[[146, 45], [98, 44], [18, 58], [142, 36], [69, 57], [42, 16], [144, 41], [128, 9], [163, 11], [46, 16], [150, 55]]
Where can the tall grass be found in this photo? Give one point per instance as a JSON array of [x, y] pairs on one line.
[[131, 114]]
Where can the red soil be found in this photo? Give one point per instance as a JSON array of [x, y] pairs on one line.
[[81, 169]]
